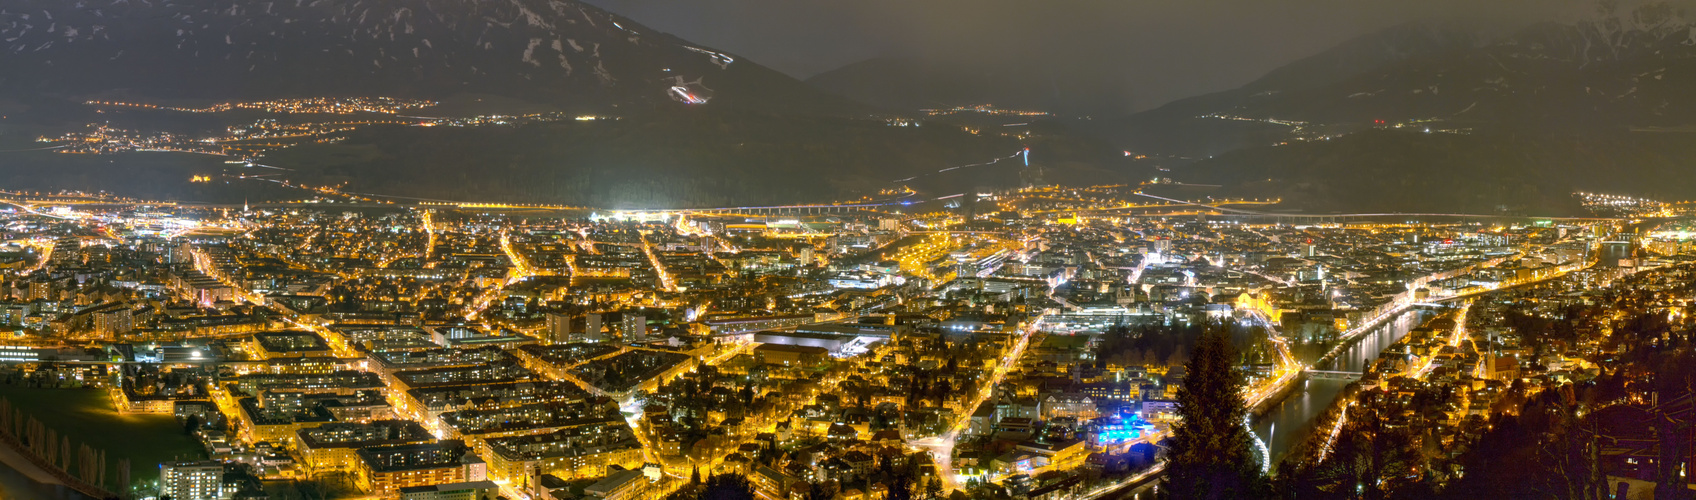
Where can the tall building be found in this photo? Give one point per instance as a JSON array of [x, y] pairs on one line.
[[192, 480], [12, 314], [592, 328], [559, 327], [65, 251], [41, 290], [634, 327], [113, 319]]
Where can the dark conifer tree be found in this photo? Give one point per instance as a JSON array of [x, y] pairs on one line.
[[728, 487], [1212, 455]]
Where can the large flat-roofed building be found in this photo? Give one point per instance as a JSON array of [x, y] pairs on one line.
[[582, 451], [534, 418], [330, 447], [346, 382], [460, 336], [273, 345], [880, 331], [474, 490], [790, 355], [439, 358], [276, 416], [384, 471], [383, 338], [1063, 454], [620, 485], [827, 341], [432, 402], [744, 324], [492, 373]]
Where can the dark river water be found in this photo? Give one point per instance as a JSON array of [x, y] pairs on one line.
[[1291, 421]]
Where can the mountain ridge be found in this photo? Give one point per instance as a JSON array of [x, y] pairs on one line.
[[1461, 113], [555, 52]]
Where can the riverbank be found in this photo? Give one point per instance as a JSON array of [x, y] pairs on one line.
[[1284, 421], [1277, 398]]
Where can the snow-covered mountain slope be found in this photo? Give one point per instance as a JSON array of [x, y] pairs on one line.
[[558, 52], [1630, 70]]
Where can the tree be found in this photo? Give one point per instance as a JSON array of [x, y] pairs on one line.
[[1368, 458], [1212, 456], [900, 487], [728, 487]]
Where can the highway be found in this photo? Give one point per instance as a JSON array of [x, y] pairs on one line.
[[1234, 211]]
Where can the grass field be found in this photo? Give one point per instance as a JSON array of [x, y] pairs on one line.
[[86, 416]]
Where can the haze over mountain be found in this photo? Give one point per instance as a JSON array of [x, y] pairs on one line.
[[1153, 52], [746, 135], [1600, 104], [548, 52], [1476, 116], [1535, 111], [911, 83], [1630, 70]]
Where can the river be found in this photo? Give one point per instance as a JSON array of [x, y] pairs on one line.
[[1290, 421]]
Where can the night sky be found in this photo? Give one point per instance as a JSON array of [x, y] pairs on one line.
[[1161, 49]]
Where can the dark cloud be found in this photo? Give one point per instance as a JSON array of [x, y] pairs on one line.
[[1159, 49]]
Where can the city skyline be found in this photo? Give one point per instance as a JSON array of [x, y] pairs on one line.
[[880, 250]]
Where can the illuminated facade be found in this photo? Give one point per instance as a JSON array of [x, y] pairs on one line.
[[192, 480]]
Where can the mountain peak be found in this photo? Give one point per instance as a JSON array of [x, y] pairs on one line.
[[554, 52]]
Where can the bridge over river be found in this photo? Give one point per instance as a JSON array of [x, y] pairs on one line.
[[1332, 375], [1288, 422]]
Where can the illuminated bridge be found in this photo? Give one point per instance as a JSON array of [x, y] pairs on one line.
[[1243, 213], [771, 210], [1333, 375], [788, 209]]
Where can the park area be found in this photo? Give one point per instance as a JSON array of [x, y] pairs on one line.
[[87, 416]]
